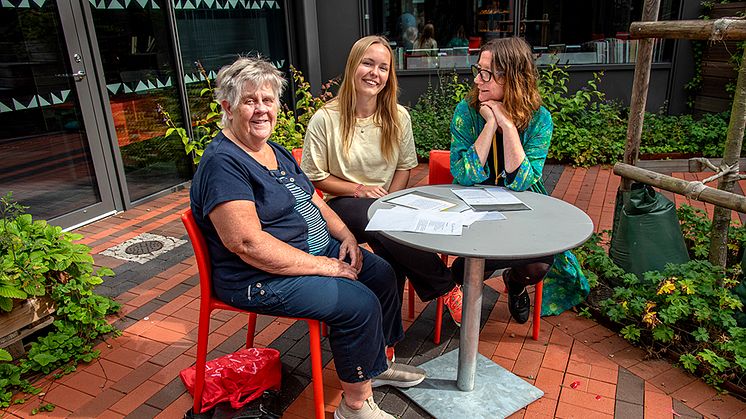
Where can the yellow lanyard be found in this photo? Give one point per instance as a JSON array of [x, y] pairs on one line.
[[498, 174]]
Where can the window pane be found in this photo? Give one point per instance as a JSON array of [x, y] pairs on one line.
[[588, 31], [139, 70], [214, 34], [46, 160], [564, 31]]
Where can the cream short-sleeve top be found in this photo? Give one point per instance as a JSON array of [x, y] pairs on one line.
[[364, 163]]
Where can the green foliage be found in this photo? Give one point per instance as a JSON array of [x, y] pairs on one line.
[[41, 260], [588, 130], [695, 226], [431, 116], [687, 309], [289, 130], [291, 125]]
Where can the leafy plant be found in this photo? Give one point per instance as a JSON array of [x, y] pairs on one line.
[[587, 130], [39, 260], [431, 116], [291, 124], [689, 310]]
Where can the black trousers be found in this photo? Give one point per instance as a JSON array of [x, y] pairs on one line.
[[522, 271], [429, 276]]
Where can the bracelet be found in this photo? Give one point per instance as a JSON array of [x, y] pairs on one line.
[[359, 188]]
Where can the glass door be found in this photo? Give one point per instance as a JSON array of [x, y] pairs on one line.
[[51, 155]]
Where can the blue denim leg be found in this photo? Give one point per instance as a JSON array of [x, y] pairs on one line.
[[362, 315]]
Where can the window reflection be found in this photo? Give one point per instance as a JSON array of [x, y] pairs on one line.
[[560, 31], [139, 71], [213, 35], [46, 161]]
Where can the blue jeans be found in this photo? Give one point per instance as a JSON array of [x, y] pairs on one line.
[[364, 316]]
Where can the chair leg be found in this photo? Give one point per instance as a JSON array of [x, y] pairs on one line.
[[314, 331], [438, 320], [324, 329], [203, 332], [539, 287], [251, 330], [411, 299]]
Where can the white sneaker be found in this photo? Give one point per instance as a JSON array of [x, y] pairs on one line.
[[370, 410], [399, 375]]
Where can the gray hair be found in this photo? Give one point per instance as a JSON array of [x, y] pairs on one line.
[[255, 71]]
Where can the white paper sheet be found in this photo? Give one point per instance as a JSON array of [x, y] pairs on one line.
[[420, 202], [475, 196], [402, 219], [502, 195], [428, 222]]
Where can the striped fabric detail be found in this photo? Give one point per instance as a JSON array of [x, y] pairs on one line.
[[318, 235]]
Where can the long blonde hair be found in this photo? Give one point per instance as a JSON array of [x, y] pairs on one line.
[[521, 98], [387, 113]]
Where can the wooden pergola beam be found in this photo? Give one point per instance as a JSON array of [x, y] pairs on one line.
[[725, 29], [695, 190]]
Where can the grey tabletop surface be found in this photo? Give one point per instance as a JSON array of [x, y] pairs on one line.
[[550, 227]]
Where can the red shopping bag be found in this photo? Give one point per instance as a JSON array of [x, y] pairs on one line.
[[239, 377]]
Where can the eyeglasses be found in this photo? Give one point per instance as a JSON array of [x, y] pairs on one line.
[[484, 74]]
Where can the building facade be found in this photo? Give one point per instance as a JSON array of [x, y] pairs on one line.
[[86, 85]]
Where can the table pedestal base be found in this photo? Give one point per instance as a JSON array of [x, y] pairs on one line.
[[497, 393]]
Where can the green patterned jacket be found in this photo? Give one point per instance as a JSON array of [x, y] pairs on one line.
[[565, 285]]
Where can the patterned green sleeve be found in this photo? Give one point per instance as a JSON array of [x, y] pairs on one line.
[[535, 140], [465, 165]]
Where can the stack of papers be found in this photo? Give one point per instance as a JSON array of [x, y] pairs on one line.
[[424, 221], [490, 199]]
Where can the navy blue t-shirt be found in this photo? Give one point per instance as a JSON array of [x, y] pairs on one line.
[[227, 173]]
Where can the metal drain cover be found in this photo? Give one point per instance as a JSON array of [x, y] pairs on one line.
[[144, 247]]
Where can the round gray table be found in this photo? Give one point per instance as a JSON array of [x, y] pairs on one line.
[[551, 227]]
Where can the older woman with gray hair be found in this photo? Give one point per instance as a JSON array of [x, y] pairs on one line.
[[278, 249]]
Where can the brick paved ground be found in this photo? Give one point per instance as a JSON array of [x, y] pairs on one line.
[[584, 369]]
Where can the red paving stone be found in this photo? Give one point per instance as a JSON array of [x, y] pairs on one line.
[[570, 349]]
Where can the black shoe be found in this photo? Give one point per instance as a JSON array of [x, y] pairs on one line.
[[519, 302]]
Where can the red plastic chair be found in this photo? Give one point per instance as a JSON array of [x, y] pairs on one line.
[[440, 173], [208, 303]]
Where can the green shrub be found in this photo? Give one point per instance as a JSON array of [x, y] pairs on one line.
[[290, 128], [431, 116], [688, 310], [589, 130], [39, 260]]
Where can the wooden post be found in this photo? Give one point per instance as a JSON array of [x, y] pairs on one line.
[[694, 190], [639, 92], [725, 29], [734, 140]]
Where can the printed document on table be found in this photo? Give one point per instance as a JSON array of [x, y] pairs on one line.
[[490, 199], [428, 222], [419, 201]]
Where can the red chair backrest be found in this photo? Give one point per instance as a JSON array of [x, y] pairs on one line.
[[298, 154], [200, 253], [440, 167]]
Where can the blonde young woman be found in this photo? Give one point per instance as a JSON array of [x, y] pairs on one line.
[[359, 147], [500, 135]]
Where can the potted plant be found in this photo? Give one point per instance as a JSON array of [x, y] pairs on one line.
[[41, 262]]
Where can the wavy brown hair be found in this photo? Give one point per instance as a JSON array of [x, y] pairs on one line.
[[387, 113], [513, 56]]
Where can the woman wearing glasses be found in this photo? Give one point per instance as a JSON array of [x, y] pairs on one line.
[[500, 135]]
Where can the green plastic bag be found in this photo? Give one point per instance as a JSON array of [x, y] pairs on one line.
[[646, 234]]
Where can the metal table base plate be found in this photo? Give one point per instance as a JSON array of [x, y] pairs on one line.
[[497, 393]]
